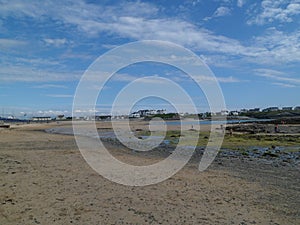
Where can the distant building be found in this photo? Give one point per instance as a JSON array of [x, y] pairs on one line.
[[11, 117], [135, 115], [161, 111], [297, 108], [287, 108], [224, 112], [152, 112], [271, 109], [254, 110], [234, 113], [213, 113], [60, 117], [146, 112], [41, 119], [104, 117]]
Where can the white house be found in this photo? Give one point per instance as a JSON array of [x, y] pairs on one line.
[[41, 119]]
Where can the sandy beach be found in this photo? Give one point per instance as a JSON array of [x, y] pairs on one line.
[[45, 180]]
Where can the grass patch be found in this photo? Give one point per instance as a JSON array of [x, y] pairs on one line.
[[234, 142]]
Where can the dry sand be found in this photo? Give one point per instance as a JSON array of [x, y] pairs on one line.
[[45, 180]]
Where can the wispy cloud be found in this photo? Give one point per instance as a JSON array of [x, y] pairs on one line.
[[47, 86], [241, 3], [220, 12], [230, 79], [284, 85], [179, 77], [276, 10], [276, 75], [109, 46], [138, 79], [10, 43], [55, 42], [140, 21], [60, 96], [277, 47], [37, 61], [13, 73], [50, 112], [137, 21]]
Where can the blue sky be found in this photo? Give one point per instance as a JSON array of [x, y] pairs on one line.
[[253, 48]]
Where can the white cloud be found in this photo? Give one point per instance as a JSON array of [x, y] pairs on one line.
[[139, 79], [221, 11], [70, 10], [284, 85], [37, 61], [123, 77], [133, 20], [10, 43], [277, 76], [180, 32], [276, 10], [229, 79], [184, 33], [13, 73], [268, 72], [50, 112], [223, 1], [83, 56], [278, 46], [109, 46], [241, 3], [60, 96], [140, 21], [46, 86], [55, 42], [178, 78]]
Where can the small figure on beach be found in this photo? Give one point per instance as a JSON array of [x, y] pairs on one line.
[[222, 128], [276, 128], [230, 132]]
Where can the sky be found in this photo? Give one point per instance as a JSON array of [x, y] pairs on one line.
[[252, 47]]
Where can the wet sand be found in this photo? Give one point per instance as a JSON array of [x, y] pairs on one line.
[[45, 180]]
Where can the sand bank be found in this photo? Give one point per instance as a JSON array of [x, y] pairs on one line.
[[45, 180]]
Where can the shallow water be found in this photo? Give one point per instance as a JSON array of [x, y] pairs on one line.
[[278, 154], [208, 122]]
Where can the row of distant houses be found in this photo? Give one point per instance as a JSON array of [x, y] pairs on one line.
[[253, 110], [63, 118], [273, 109], [146, 112], [149, 112], [137, 114]]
